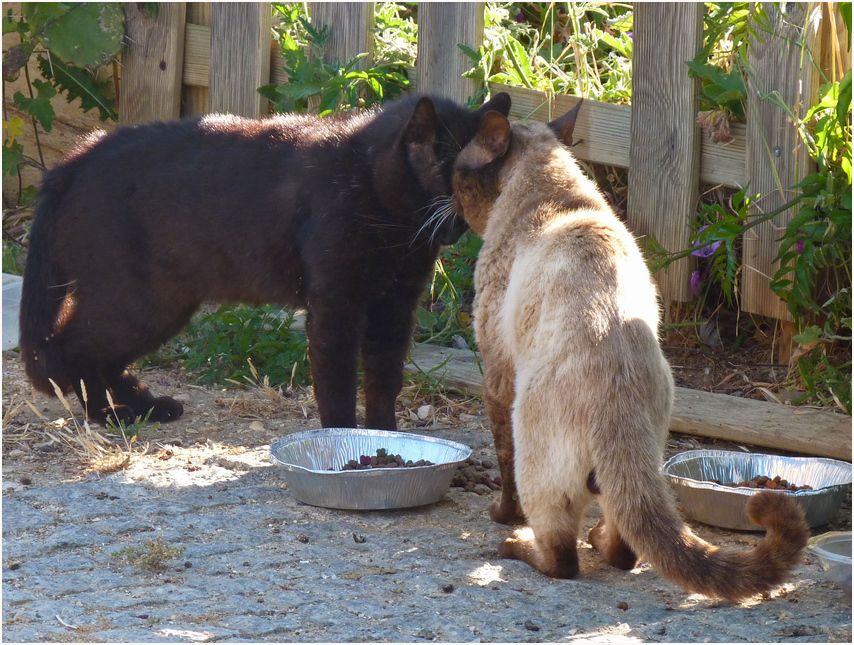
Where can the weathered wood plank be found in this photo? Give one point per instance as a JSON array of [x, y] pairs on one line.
[[776, 158], [240, 57], [441, 27], [152, 63], [605, 130], [664, 152], [195, 97], [350, 25], [717, 416]]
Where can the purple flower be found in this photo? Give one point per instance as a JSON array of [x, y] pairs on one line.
[[800, 246], [696, 281], [705, 251], [631, 34], [520, 17]]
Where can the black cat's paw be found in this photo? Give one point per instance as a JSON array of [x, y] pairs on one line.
[[121, 415], [165, 409]]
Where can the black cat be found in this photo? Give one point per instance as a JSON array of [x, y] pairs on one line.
[[342, 216]]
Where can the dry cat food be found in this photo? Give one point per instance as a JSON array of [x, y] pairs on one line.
[[383, 460], [761, 481], [473, 478]]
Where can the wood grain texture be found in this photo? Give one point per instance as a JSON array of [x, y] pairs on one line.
[[606, 132], [240, 57], [195, 97], [776, 158], [441, 27], [703, 414], [152, 63], [350, 25], [664, 153]]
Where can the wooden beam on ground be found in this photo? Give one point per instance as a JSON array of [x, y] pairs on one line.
[[350, 25], [776, 157], [240, 57], [717, 416], [441, 27], [152, 63], [196, 98], [664, 156]]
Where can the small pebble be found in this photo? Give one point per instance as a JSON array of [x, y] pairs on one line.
[[533, 627], [622, 605], [447, 588]]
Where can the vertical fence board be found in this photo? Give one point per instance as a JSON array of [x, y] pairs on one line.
[[441, 27], [664, 152], [152, 63], [240, 57], [350, 25], [196, 100], [774, 151]]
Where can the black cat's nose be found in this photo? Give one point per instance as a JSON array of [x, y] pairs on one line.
[[451, 230]]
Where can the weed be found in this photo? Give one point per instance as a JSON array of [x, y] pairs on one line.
[[153, 555], [327, 87], [220, 345]]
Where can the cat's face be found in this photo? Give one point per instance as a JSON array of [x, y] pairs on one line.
[[435, 134], [478, 169], [476, 177]]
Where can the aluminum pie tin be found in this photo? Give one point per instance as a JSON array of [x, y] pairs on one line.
[[834, 551], [691, 474], [308, 456]]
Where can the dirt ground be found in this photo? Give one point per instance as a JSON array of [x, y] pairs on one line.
[[230, 428]]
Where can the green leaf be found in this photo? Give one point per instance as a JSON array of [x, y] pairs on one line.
[[85, 33], [12, 157], [38, 107], [844, 103], [10, 25], [78, 83]]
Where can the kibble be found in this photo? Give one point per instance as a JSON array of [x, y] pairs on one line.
[[382, 460], [763, 481]]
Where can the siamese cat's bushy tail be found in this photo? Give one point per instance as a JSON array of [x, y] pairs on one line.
[[42, 297], [638, 502]]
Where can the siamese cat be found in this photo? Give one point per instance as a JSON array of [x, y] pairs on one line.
[[578, 391], [344, 216]]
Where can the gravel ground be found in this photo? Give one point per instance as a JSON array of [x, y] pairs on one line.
[[242, 560]]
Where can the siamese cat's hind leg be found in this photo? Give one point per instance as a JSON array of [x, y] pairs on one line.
[[552, 488], [498, 397], [606, 539]]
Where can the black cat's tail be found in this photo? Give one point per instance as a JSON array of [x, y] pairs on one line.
[[43, 295]]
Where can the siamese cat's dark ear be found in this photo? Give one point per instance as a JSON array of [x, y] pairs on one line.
[[493, 137], [422, 125], [499, 103], [563, 126]]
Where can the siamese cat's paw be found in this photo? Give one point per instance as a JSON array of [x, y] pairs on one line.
[[612, 547], [558, 560], [507, 511]]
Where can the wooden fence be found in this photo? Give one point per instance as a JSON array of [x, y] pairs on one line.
[[194, 58]]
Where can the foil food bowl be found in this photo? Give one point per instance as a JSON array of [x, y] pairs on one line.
[[693, 475], [308, 456], [834, 551]]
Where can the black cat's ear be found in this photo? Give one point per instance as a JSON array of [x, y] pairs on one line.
[[422, 125], [563, 126], [499, 103], [493, 137]]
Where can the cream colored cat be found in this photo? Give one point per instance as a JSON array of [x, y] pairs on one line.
[[577, 388]]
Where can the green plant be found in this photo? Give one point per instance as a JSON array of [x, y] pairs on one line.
[[332, 86], [69, 39], [814, 275], [447, 311], [153, 555], [220, 344], [559, 48]]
